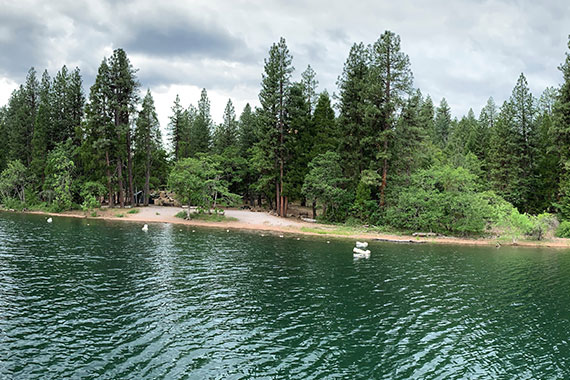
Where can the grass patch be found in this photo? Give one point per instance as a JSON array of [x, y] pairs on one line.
[[119, 215], [333, 231], [133, 211], [94, 214], [206, 217]]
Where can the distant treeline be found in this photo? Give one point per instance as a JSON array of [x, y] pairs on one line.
[[390, 158]]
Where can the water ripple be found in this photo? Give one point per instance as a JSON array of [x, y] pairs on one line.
[[105, 301]]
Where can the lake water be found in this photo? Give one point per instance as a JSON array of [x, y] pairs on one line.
[[103, 300]]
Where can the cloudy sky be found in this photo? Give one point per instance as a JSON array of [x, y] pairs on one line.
[[462, 50]]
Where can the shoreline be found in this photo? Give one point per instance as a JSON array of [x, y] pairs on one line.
[[296, 228]]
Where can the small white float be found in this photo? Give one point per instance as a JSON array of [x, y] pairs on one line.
[[145, 228], [360, 253], [49, 220], [360, 244]]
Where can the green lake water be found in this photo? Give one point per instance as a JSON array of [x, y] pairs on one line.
[[91, 299]]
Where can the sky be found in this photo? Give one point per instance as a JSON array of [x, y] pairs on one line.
[[463, 50]]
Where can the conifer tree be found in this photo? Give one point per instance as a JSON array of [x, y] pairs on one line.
[[201, 128], [442, 124], [356, 152], [147, 139], [325, 137], [226, 134], [561, 131], [309, 82], [273, 97], [390, 80], [179, 130]]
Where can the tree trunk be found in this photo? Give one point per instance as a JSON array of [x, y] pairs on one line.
[[109, 181], [277, 198], [120, 175], [314, 209], [131, 195], [147, 177]]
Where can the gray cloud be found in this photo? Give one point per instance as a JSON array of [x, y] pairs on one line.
[[464, 50]]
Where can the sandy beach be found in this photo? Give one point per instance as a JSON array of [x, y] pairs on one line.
[[263, 221]]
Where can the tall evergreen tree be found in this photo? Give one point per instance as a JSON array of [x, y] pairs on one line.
[[42, 139], [201, 129], [309, 82], [390, 80], [124, 88], [561, 130], [179, 130], [147, 139], [442, 124], [325, 137], [356, 152], [226, 134], [273, 98]]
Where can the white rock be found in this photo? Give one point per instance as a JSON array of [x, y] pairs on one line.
[[360, 244]]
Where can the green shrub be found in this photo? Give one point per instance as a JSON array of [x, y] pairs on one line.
[[133, 211], [563, 230]]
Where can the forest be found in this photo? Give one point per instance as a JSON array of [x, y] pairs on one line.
[[377, 152]]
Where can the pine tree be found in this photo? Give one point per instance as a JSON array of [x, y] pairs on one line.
[[390, 79], [124, 88], [442, 124], [325, 137], [410, 148], [147, 139], [226, 134], [273, 97], [356, 152], [179, 130], [43, 136], [309, 82], [200, 131], [561, 131]]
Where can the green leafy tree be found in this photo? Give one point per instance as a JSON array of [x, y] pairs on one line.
[[324, 182], [197, 181], [13, 181], [59, 175]]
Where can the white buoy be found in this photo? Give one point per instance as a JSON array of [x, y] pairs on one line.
[[49, 220], [328, 241], [145, 228], [360, 253], [280, 236], [227, 230], [193, 230], [360, 244]]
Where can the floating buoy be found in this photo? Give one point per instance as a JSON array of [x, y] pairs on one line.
[[298, 238], [360, 244], [280, 236], [145, 228], [193, 230], [49, 220], [227, 230], [360, 253], [328, 241]]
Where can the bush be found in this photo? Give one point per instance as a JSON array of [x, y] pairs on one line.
[[563, 230], [443, 200]]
